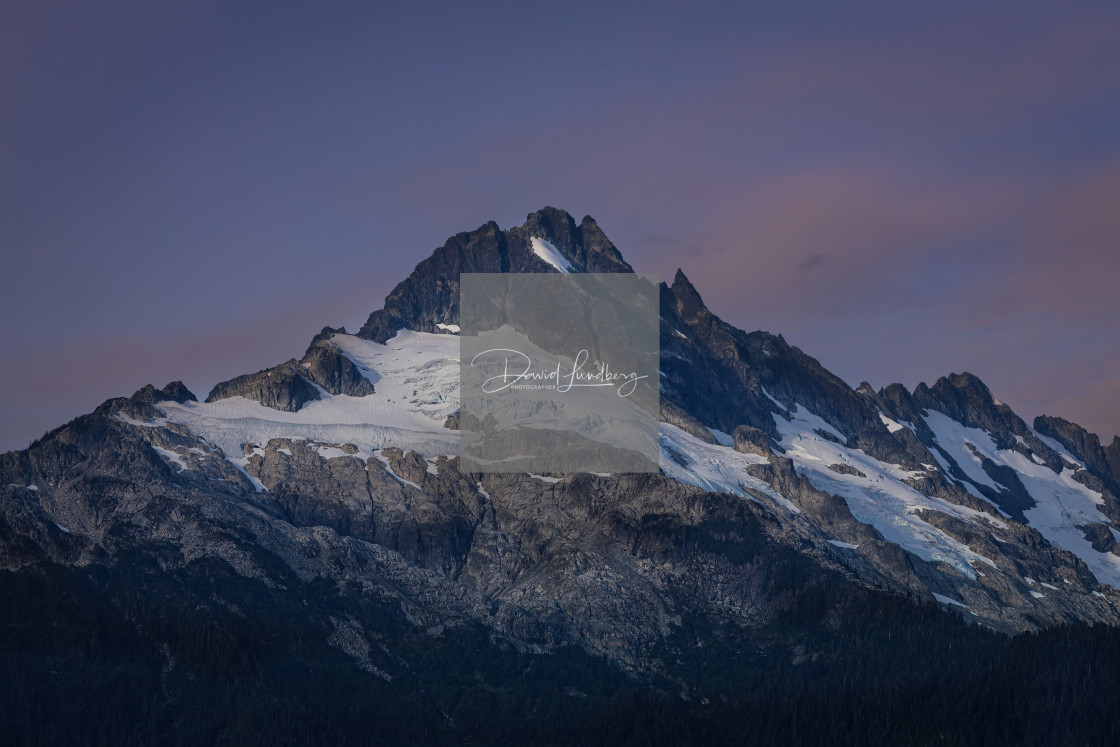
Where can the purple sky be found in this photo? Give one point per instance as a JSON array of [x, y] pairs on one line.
[[193, 190]]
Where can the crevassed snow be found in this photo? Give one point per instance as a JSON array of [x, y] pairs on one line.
[[881, 498], [416, 381], [551, 254], [712, 467], [948, 600]]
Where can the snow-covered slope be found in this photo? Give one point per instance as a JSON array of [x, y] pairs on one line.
[[1062, 504], [416, 381], [877, 493]]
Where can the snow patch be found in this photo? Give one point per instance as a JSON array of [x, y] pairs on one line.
[[331, 452], [542, 478], [948, 600], [893, 425], [845, 545], [551, 254], [149, 424], [171, 456], [384, 461]]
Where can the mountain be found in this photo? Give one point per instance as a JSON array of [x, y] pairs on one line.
[[299, 558]]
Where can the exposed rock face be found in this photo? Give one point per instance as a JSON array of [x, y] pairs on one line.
[[176, 391], [750, 440], [328, 367], [846, 469], [727, 378], [1101, 537], [674, 415], [282, 387], [430, 295], [291, 385]]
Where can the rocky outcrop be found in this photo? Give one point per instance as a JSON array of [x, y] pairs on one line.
[[1104, 462], [846, 469], [331, 369], [748, 440], [674, 415], [291, 385], [282, 387], [176, 391], [1100, 537]]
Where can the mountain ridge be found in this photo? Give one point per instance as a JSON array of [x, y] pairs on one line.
[[780, 486]]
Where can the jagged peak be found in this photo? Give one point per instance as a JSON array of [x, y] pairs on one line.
[[689, 304], [965, 380], [176, 391], [429, 296]]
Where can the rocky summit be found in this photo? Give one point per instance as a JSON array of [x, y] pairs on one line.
[[300, 559]]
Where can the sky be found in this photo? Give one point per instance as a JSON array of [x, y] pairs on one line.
[[192, 190]]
